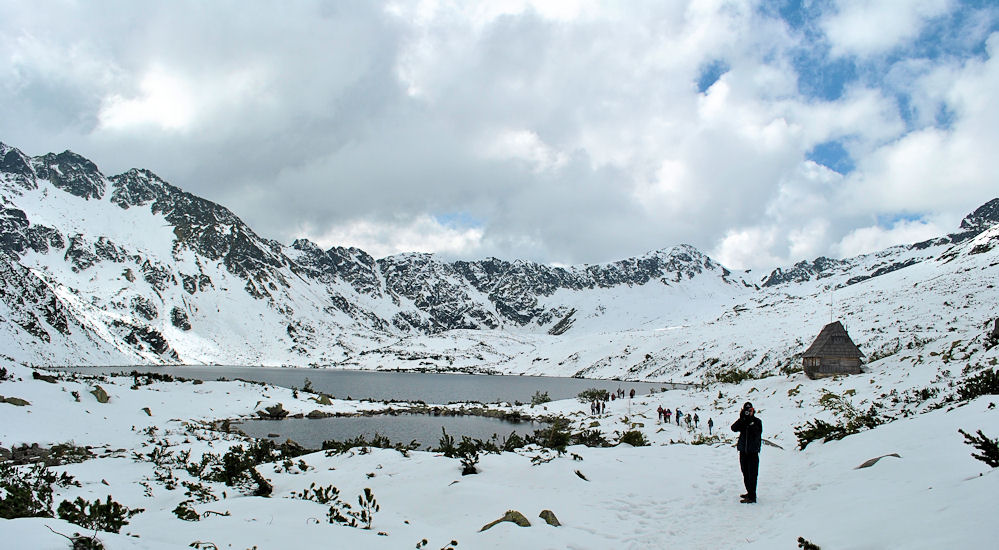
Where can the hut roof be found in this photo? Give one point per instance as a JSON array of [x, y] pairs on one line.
[[833, 341]]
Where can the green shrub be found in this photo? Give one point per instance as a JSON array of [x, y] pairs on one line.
[[339, 511], [988, 448], [540, 398], [593, 394], [185, 512], [634, 438], [590, 438], [27, 491], [556, 436], [819, 429], [983, 383], [107, 516], [733, 375], [332, 446]]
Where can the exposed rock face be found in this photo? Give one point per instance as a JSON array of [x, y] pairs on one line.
[[984, 217]]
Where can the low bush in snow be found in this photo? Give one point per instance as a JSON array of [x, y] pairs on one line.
[[107, 516], [634, 438], [983, 383], [988, 448]]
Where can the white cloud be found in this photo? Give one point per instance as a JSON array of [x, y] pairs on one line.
[[380, 239], [874, 238], [572, 131], [164, 100], [869, 27]]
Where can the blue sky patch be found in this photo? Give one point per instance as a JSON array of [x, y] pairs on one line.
[[710, 74], [458, 220], [832, 155]]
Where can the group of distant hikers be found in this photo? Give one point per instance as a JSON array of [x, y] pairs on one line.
[[667, 415], [750, 430]]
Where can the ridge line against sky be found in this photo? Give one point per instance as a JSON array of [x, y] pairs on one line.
[[570, 132]]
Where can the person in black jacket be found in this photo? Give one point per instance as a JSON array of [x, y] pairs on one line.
[[750, 439]]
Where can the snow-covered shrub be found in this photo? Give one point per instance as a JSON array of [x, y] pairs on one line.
[[108, 516], [185, 512], [341, 512], [989, 448]]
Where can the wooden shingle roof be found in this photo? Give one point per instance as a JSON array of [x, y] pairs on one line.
[[833, 341]]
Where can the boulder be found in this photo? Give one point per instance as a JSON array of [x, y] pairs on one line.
[[512, 516], [274, 412], [550, 518], [16, 401], [101, 395]]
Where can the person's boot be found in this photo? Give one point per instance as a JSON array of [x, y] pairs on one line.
[[748, 500]]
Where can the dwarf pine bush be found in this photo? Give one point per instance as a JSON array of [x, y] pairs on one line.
[[988, 448], [107, 516]]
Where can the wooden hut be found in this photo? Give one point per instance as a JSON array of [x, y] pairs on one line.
[[832, 353]]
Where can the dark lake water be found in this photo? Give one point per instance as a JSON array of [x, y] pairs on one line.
[[399, 386], [403, 428]]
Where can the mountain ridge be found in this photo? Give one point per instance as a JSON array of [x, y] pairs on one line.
[[143, 271]]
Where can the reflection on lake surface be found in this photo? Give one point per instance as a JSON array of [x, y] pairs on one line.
[[399, 386], [403, 428]]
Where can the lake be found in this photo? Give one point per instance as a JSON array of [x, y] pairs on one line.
[[403, 428], [430, 388]]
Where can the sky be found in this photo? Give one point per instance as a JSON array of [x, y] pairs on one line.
[[563, 132]]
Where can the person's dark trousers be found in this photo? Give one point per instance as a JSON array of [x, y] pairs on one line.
[[750, 463]]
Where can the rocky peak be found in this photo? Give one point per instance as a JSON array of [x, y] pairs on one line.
[[983, 217], [71, 173], [15, 167], [802, 271], [136, 188]]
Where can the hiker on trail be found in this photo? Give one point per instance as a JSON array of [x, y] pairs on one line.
[[750, 439], [659, 414], [667, 414], [711, 424], [688, 420], [603, 407], [679, 416], [696, 420], [632, 394], [612, 397]]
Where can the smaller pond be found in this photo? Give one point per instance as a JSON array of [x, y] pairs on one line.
[[402, 428]]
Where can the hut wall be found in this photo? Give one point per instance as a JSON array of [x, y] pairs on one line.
[[833, 366]]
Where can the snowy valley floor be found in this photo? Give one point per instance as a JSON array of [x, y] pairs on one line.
[[671, 494]]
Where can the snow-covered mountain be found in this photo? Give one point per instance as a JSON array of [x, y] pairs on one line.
[[130, 269]]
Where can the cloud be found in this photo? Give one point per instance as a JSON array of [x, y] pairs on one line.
[[570, 132], [421, 234], [870, 27], [870, 239]]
